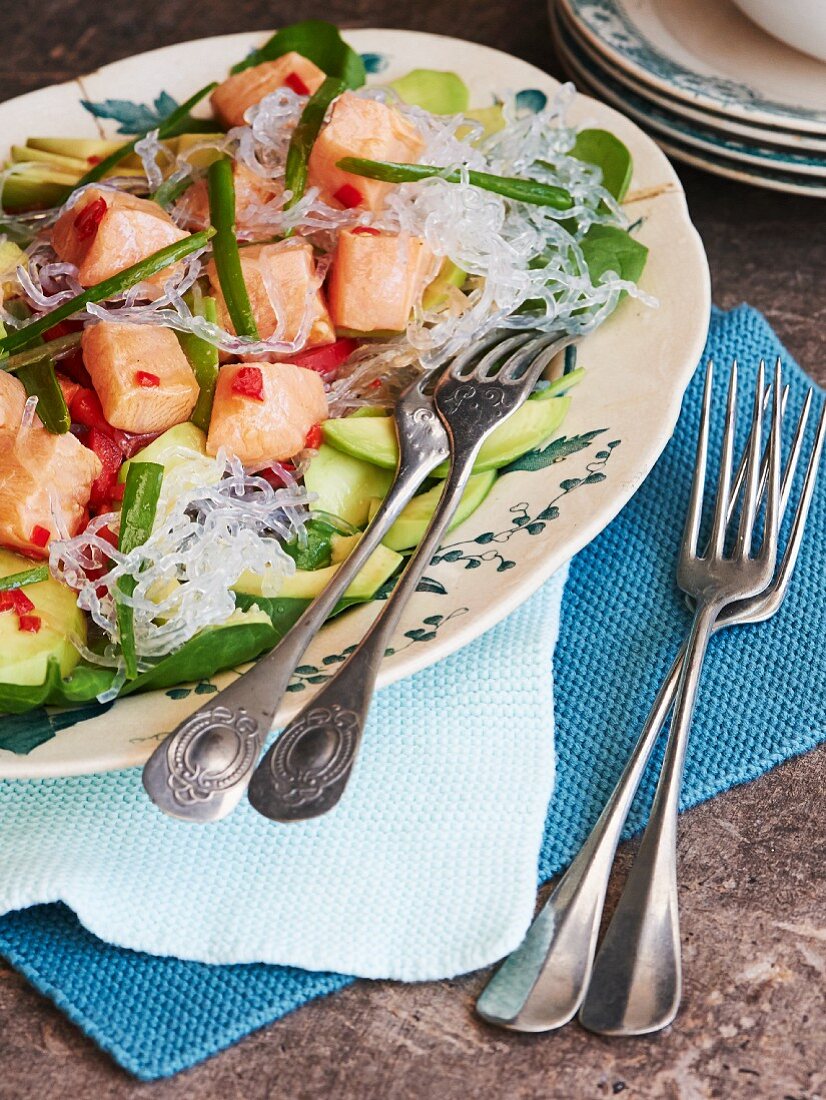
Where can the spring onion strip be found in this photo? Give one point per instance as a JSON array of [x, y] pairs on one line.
[[203, 358], [51, 349], [225, 248], [137, 517], [304, 135], [109, 288], [26, 576], [529, 191], [167, 128]]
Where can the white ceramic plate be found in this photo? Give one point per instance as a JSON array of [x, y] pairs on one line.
[[708, 53], [723, 126], [760, 165], [638, 365]]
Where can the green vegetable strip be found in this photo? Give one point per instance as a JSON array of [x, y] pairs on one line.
[[140, 502], [225, 248], [304, 135], [167, 128], [203, 358], [27, 576], [170, 191], [320, 43], [41, 382], [51, 349], [529, 191], [109, 288]]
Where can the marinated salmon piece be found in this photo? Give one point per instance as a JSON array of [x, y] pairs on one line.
[[376, 279], [251, 192], [106, 231], [231, 99], [360, 128], [45, 484], [262, 412], [284, 292], [141, 375], [12, 401]]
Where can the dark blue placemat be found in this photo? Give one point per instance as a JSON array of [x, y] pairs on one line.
[[763, 700]]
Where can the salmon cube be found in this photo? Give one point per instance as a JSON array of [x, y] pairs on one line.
[[12, 401], [284, 292], [45, 484], [106, 231], [376, 280], [251, 193], [141, 375], [232, 99], [360, 127], [262, 412]]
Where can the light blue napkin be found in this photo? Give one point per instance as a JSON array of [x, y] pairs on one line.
[[425, 870]]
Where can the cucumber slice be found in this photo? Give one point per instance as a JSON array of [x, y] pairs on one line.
[[344, 485], [306, 585], [438, 92], [411, 525], [373, 439], [183, 443], [24, 656]]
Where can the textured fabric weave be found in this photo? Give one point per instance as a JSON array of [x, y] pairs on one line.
[[763, 699]]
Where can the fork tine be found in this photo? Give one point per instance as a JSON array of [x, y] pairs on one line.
[[691, 531], [491, 340], [538, 352], [802, 512], [485, 366], [739, 477], [768, 548], [723, 502], [749, 511], [794, 454]]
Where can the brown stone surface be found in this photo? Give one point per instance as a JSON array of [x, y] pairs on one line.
[[751, 861]]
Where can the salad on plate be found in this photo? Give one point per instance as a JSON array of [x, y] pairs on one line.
[[204, 331]]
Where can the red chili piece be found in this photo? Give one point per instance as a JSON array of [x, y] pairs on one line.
[[40, 535], [15, 599], [326, 360], [111, 460], [249, 382], [87, 221], [295, 82], [147, 380], [93, 160], [30, 623], [314, 438], [366, 231], [349, 196]]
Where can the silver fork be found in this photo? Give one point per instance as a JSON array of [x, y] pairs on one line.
[[304, 773], [542, 984]]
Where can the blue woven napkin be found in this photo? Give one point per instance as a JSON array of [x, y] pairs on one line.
[[763, 699]]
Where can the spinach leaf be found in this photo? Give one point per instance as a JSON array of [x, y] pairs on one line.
[[609, 248], [607, 152], [320, 43]]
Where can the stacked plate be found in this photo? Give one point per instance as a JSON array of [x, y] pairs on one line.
[[712, 88]]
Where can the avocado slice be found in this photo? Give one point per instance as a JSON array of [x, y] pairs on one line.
[[183, 443], [374, 438], [409, 528], [436, 292], [306, 585], [26, 154], [24, 656], [491, 118], [344, 484], [440, 93], [38, 185], [76, 148]]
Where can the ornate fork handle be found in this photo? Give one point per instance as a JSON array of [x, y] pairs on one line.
[[201, 770]]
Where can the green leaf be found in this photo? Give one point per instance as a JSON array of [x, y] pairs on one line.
[[607, 152], [609, 248], [319, 42]]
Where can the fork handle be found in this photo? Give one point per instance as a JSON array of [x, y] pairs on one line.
[[305, 771], [636, 983], [201, 770], [542, 983]]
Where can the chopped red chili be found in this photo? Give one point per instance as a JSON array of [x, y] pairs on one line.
[[87, 221], [30, 623], [349, 196], [326, 360], [366, 231], [146, 379], [314, 437], [111, 460], [15, 599], [295, 82], [93, 160], [40, 535], [249, 382]]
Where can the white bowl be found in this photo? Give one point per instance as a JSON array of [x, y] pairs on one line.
[[799, 23]]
